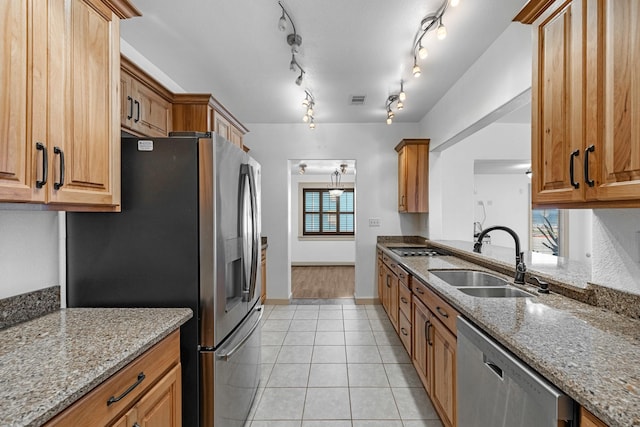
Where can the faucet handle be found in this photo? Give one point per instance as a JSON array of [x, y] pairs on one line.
[[544, 286]]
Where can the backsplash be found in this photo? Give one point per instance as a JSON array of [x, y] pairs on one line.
[[24, 307]]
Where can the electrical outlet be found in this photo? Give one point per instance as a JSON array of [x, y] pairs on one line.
[[374, 222]]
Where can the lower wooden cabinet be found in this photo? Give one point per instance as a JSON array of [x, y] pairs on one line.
[[147, 393], [443, 386], [587, 419], [421, 321]]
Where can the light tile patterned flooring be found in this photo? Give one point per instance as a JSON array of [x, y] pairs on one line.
[[336, 366]]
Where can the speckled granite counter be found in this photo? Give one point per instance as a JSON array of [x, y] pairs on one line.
[[588, 352], [48, 363]]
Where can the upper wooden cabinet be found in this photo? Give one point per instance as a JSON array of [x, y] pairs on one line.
[[145, 105], [585, 102], [203, 113], [413, 175], [60, 63]]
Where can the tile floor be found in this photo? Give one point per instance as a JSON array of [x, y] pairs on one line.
[[336, 366]]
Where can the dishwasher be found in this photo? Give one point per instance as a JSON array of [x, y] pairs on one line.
[[496, 389]]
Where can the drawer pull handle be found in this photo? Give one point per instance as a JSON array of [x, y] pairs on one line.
[[404, 332], [404, 300], [137, 119], [130, 115], [589, 181], [426, 332], [113, 399], [441, 312], [575, 184], [420, 291]]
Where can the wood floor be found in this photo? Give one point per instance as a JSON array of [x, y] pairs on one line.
[[323, 282]]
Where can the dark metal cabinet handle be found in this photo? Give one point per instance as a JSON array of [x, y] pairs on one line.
[[442, 313], [45, 164], [138, 111], [388, 284], [404, 332], [420, 291], [135, 425], [58, 185], [589, 182], [130, 115], [426, 332], [114, 399], [404, 300], [574, 183]]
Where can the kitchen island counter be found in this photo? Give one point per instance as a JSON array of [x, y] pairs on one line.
[[48, 363], [588, 352]]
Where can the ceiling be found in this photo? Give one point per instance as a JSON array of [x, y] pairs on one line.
[[234, 50]]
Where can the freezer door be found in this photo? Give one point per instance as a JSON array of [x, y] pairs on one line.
[[230, 239], [231, 376]]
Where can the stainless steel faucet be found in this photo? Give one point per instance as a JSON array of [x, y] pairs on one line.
[[521, 268]]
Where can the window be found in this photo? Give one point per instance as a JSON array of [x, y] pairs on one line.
[[326, 215], [546, 229]]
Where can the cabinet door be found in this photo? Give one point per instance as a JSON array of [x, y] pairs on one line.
[[235, 136], [18, 156], [221, 125], [402, 179], [443, 392], [557, 109], [82, 103], [420, 325], [393, 300], [152, 113], [162, 405], [614, 133], [127, 104]]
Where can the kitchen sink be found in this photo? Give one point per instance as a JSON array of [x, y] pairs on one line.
[[496, 292], [468, 278], [480, 284]]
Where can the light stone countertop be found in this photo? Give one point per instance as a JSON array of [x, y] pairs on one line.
[[588, 352], [48, 363]]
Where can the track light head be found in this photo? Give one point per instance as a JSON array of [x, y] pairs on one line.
[[300, 77], [441, 32], [282, 22], [389, 120], [312, 124], [400, 105], [402, 95], [416, 70], [293, 63], [294, 40], [454, 3], [422, 51]]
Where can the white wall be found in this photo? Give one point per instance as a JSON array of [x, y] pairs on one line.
[[28, 251], [452, 183], [506, 202], [371, 146], [318, 250]]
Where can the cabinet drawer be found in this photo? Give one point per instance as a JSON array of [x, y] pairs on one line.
[[404, 296], [393, 266], [404, 331], [442, 310], [404, 276], [93, 410]]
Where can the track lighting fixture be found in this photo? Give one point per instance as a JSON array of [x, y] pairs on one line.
[[308, 103], [397, 100], [302, 168], [300, 77], [431, 22], [312, 124]]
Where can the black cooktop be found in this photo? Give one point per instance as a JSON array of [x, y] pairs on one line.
[[418, 251]]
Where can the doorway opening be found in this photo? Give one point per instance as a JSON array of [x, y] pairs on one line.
[[322, 231]]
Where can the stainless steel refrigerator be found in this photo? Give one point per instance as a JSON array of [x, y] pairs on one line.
[[188, 236]]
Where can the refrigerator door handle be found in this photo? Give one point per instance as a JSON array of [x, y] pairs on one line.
[[250, 268], [228, 354]]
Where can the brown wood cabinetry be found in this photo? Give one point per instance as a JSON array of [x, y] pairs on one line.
[[203, 113], [587, 419], [155, 400], [145, 105], [413, 175], [390, 290], [60, 111], [434, 349], [585, 103]]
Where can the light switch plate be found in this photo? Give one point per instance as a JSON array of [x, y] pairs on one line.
[[374, 222]]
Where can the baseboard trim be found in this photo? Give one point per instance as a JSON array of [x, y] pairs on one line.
[[367, 301], [322, 264], [275, 301]]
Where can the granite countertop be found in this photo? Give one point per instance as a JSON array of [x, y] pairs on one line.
[[588, 352], [48, 363]]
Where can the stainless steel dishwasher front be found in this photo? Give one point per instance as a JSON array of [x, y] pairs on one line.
[[496, 389]]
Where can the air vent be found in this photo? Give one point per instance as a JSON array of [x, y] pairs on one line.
[[357, 99]]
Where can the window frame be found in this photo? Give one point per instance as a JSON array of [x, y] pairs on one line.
[[322, 212]]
